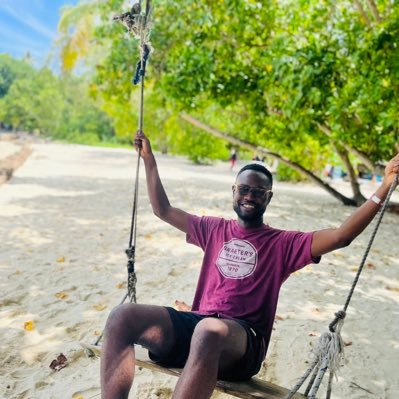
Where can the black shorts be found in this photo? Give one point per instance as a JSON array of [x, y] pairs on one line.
[[184, 324]]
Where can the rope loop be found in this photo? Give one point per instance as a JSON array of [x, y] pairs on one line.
[[340, 315]]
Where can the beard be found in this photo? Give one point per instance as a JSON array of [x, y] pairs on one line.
[[256, 214]]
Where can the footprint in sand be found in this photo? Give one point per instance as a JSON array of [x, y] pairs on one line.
[[14, 300], [21, 374]]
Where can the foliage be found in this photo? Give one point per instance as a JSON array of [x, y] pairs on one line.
[[82, 120], [11, 69], [297, 77], [75, 27], [39, 101], [285, 173], [316, 63], [33, 103], [291, 71]]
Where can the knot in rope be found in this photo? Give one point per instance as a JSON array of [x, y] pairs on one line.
[[141, 64], [131, 275], [340, 315], [136, 21], [131, 286], [130, 252], [330, 349]]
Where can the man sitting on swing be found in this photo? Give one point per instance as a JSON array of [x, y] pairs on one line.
[[227, 332]]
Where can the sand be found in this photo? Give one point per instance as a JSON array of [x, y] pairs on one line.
[[65, 222]]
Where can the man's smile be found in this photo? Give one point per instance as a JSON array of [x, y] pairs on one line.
[[247, 205]]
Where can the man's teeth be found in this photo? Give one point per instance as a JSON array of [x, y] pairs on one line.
[[248, 206]]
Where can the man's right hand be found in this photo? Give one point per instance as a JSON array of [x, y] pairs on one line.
[[182, 306], [142, 143]]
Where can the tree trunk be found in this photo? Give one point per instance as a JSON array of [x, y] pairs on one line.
[[359, 154], [253, 147], [343, 154]]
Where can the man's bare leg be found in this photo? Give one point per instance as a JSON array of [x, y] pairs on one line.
[[216, 345], [127, 324]]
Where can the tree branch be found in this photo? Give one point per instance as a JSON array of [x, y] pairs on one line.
[[363, 13], [361, 155], [374, 10], [327, 131], [253, 147]]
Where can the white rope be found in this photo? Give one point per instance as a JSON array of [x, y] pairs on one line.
[[331, 348], [329, 354]]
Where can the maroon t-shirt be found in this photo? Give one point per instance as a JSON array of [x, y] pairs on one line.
[[243, 269]]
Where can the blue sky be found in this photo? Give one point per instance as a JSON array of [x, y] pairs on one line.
[[29, 26]]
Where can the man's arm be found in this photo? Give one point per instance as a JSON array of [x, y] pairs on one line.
[[158, 198], [330, 239]]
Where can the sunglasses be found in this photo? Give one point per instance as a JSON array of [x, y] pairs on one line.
[[257, 192]]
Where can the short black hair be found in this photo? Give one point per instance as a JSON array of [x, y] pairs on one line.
[[258, 168]]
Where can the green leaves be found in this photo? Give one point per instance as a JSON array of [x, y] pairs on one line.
[[38, 101], [294, 76], [11, 69]]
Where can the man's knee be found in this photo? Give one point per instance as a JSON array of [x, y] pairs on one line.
[[119, 319], [211, 331], [137, 323]]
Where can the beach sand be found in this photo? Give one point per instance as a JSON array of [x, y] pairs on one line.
[[65, 222]]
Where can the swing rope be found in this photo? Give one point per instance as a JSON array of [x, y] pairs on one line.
[[330, 350], [137, 23]]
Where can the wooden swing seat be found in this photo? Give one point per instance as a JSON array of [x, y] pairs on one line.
[[252, 389]]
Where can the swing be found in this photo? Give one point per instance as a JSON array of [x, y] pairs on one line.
[[327, 356], [254, 388]]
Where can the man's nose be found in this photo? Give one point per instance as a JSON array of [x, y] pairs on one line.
[[250, 194]]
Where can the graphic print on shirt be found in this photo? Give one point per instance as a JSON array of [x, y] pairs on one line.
[[237, 259]]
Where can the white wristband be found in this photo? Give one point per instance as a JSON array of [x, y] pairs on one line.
[[375, 199]]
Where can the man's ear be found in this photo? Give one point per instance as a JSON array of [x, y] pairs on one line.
[[270, 196]]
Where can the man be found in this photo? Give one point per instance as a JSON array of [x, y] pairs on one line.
[[227, 332]]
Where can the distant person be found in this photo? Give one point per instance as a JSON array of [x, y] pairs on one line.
[[331, 172], [233, 158], [326, 170], [227, 332]]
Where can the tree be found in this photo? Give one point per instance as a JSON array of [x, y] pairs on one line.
[[303, 79], [11, 69], [61, 108], [33, 103]]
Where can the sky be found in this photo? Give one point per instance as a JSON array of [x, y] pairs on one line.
[[29, 26]]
